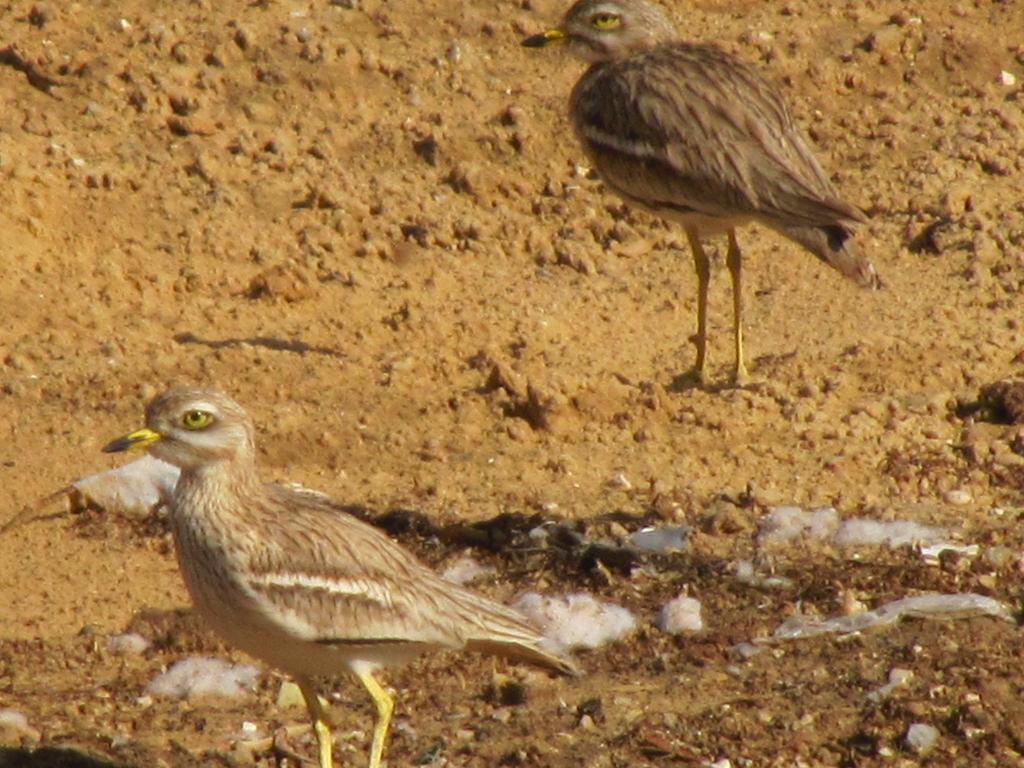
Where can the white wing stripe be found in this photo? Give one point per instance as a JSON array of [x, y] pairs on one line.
[[368, 590], [626, 146]]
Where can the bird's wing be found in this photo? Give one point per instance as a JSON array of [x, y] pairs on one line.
[[333, 579], [691, 129], [344, 581]]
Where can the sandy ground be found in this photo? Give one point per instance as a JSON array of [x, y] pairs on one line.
[[374, 228]]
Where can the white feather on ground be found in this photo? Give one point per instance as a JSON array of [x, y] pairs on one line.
[[578, 620], [786, 524], [199, 676], [129, 644], [465, 570]]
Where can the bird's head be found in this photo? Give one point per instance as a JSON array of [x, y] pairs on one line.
[[192, 428], [608, 30]]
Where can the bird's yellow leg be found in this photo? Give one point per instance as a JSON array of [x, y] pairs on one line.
[[318, 715], [702, 265], [734, 260], [385, 707]]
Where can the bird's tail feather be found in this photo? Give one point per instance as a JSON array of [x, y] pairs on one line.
[[530, 653], [489, 627]]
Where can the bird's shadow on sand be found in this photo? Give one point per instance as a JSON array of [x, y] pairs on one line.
[[52, 757], [267, 342], [690, 382]]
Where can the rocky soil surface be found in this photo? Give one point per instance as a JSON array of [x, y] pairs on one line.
[[370, 223]]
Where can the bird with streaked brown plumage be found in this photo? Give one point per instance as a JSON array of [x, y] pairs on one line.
[[289, 578], [690, 133]]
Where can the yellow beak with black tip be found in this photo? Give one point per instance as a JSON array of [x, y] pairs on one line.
[[546, 38], [140, 438]]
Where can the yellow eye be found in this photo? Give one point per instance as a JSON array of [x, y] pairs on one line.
[[195, 419], [605, 20]]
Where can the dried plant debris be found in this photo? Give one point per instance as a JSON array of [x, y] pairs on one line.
[[999, 402], [934, 606]]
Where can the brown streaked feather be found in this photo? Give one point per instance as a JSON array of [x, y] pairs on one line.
[[713, 135], [350, 584], [532, 654]]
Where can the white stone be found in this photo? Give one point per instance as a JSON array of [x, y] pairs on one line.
[[290, 695], [898, 677], [619, 480], [249, 729], [134, 489], [669, 538], [15, 724], [921, 738], [680, 615], [958, 497]]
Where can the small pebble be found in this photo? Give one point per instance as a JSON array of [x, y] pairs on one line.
[[539, 535], [454, 52], [249, 730], [40, 14], [672, 538], [290, 695], [680, 615], [619, 480], [898, 677], [999, 556], [921, 738], [746, 651], [120, 741], [958, 497], [15, 724], [130, 644]]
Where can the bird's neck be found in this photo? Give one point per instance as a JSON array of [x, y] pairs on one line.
[[633, 48], [223, 481]]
